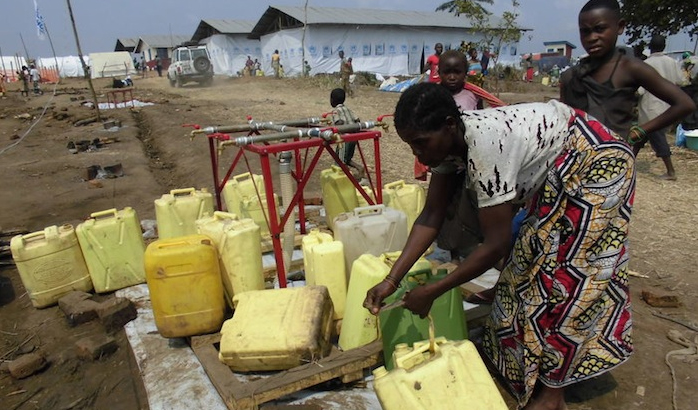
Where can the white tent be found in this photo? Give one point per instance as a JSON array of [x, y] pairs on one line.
[[229, 52], [68, 66], [389, 42], [227, 43], [111, 64]]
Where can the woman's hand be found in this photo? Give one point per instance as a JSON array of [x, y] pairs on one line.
[[376, 295], [419, 300]]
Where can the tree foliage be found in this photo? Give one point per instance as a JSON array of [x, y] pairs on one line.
[[465, 7], [506, 31], [647, 17]]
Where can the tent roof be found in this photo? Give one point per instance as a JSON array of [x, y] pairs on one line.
[[276, 18], [162, 41], [209, 27], [126, 44]]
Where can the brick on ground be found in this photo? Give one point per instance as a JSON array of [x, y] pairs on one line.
[[115, 313], [78, 307], [27, 365], [94, 347]]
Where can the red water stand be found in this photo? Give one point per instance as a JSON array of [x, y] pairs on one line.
[[306, 153]]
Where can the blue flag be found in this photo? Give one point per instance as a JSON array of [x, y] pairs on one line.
[[40, 25]]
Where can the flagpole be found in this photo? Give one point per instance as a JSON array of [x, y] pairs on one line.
[[85, 68], [26, 53], [58, 69]]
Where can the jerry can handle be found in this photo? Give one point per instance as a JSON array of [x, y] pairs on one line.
[[182, 191], [336, 168], [395, 185], [218, 215], [241, 177], [432, 347], [369, 210], [429, 274], [108, 212], [34, 235]]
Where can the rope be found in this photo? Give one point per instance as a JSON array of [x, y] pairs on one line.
[[43, 112]]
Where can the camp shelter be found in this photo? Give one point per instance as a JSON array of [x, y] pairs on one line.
[[161, 46], [126, 44], [227, 43], [389, 42], [111, 64], [68, 66]]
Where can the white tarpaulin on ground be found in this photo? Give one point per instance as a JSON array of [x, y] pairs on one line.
[[113, 64], [388, 50], [229, 52], [68, 66]]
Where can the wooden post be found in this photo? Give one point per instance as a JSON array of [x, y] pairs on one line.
[[85, 68]]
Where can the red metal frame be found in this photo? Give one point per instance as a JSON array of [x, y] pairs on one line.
[[303, 171]]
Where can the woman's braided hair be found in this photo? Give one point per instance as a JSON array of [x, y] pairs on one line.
[[424, 107]]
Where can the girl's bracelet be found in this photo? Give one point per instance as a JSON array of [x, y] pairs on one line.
[[392, 281], [636, 134]]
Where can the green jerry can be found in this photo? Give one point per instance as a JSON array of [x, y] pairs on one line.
[[399, 325]]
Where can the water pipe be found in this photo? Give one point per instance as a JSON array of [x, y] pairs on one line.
[[287, 192]]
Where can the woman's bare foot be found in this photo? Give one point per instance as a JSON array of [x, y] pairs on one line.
[[548, 399]]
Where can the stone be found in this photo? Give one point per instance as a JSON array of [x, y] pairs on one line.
[[78, 307], [27, 365], [94, 347], [115, 313]]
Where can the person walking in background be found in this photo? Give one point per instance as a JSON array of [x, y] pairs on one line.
[[276, 63], [341, 114], [144, 67], [306, 68], [605, 83], [528, 65], [249, 67], [651, 107], [3, 80], [485, 60], [24, 77], [474, 66], [345, 71], [432, 63], [158, 65], [35, 76]]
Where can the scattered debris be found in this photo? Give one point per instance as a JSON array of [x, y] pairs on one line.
[[149, 228], [95, 184], [107, 172], [85, 121], [660, 301], [637, 274], [25, 116], [688, 325], [689, 354], [640, 391]]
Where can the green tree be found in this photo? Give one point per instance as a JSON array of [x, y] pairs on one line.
[[505, 29], [648, 17], [465, 7]]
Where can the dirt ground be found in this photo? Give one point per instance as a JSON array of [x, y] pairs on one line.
[[45, 184]]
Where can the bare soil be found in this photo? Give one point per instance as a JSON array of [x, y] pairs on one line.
[[45, 184]]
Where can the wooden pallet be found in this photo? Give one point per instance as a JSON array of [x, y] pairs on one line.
[[241, 395]]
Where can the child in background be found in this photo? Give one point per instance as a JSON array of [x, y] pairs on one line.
[[460, 233], [605, 83], [342, 114]]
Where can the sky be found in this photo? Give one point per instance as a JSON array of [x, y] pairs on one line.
[[100, 23]]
